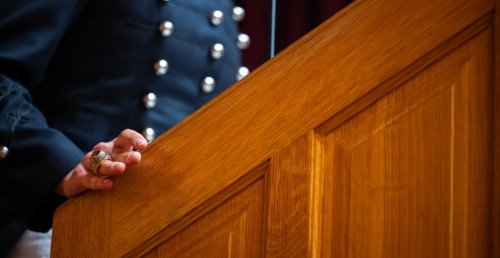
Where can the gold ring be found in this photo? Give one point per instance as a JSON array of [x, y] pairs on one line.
[[95, 161]]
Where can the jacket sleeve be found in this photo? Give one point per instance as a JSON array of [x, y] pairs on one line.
[[39, 156]]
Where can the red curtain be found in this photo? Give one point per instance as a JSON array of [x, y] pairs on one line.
[[294, 18]]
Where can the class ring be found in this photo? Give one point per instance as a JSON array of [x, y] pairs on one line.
[[95, 161]]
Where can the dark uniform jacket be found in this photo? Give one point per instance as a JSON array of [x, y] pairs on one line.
[[74, 73]]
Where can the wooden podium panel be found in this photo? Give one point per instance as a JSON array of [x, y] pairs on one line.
[[231, 230], [375, 135], [408, 176]]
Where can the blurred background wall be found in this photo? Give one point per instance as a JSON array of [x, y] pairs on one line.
[[294, 18]]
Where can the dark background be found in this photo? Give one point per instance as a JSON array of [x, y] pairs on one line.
[[294, 18]]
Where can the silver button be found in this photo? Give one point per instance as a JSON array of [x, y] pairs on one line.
[[166, 28], [243, 41], [238, 13], [242, 72], [208, 84], [149, 100], [161, 67], [217, 51], [216, 17], [4, 151], [149, 134]]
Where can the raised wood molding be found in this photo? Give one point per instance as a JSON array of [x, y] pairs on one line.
[[265, 168], [294, 194]]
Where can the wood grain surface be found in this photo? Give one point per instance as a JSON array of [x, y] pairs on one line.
[[372, 136]]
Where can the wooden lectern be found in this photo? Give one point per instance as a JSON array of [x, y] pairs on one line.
[[375, 135]]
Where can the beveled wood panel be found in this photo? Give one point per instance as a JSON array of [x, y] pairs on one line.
[[233, 229], [227, 200], [410, 175]]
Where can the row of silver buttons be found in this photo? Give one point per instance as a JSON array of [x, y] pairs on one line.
[[166, 28]]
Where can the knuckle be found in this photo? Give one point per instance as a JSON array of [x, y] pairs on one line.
[[100, 145], [89, 184], [125, 132]]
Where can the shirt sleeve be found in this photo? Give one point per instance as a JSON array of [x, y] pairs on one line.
[[39, 156]]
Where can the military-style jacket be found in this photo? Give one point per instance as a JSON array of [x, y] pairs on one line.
[[77, 72]]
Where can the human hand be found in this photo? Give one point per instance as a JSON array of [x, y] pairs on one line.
[[122, 152]]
